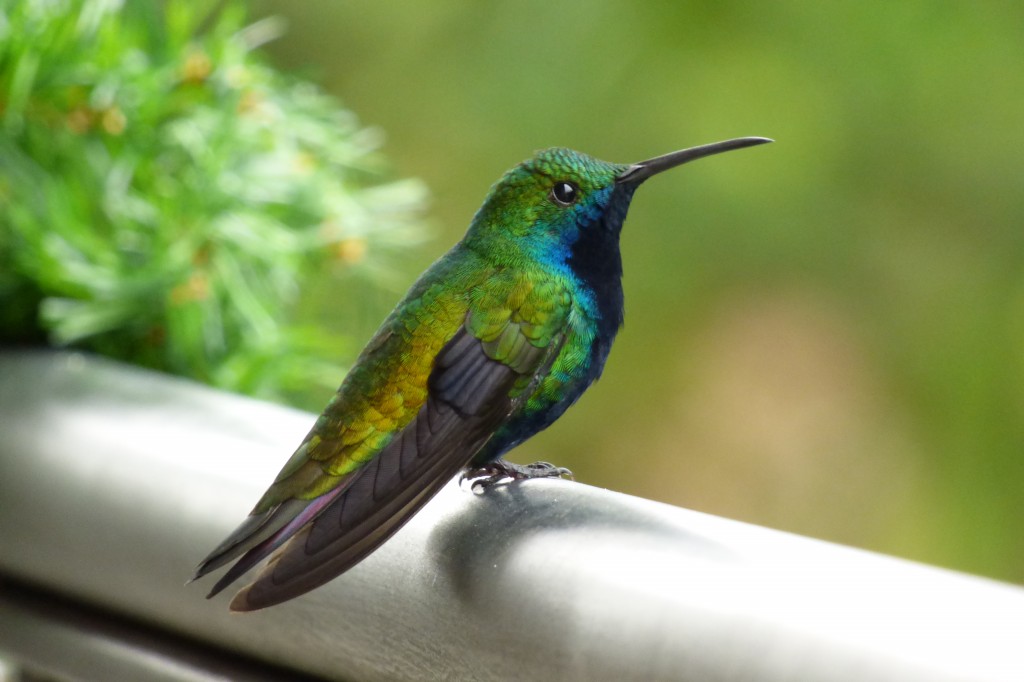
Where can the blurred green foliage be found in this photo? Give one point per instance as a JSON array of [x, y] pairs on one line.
[[824, 335], [165, 196]]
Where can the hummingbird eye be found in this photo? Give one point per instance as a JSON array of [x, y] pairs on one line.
[[564, 193]]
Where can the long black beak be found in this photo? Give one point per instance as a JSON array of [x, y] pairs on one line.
[[639, 172]]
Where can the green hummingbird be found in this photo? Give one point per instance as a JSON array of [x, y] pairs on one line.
[[490, 346]]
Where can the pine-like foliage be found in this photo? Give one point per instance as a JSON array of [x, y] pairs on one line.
[[165, 195]]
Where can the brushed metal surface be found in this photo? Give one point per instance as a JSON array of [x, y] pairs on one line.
[[46, 637], [115, 482]]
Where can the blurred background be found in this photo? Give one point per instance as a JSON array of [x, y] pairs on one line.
[[824, 335]]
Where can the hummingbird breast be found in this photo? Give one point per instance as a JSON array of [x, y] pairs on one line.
[[593, 277]]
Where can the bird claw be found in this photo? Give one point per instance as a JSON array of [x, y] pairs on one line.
[[498, 471], [548, 470]]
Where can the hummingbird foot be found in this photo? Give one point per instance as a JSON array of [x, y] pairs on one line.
[[500, 470]]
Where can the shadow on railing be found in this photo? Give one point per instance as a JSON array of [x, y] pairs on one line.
[[115, 481]]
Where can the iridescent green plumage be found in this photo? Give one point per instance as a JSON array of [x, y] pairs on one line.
[[492, 344]]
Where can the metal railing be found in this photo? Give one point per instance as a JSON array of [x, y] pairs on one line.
[[115, 481]]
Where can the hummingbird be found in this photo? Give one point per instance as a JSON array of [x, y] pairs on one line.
[[490, 345]]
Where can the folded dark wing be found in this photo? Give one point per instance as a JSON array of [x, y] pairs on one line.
[[468, 398]]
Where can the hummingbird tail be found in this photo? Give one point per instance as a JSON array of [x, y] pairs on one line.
[[255, 529], [254, 542], [469, 396], [376, 504]]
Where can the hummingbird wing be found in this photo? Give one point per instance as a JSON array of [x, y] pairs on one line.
[[413, 411]]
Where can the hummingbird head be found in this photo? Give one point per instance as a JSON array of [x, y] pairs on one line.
[[565, 209], [543, 206]]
